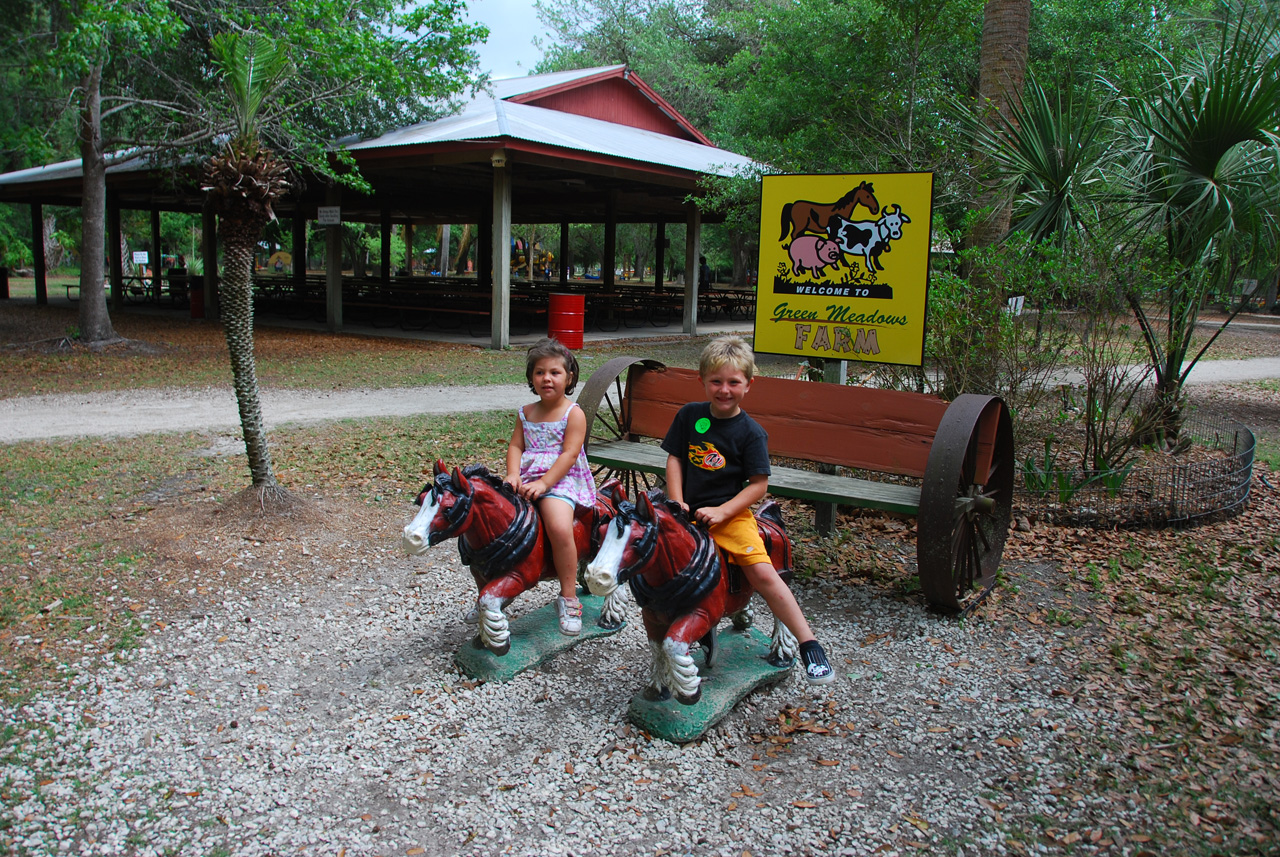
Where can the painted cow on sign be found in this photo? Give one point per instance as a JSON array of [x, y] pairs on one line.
[[869, 238]]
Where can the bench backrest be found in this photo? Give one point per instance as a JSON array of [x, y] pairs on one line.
[[868, 429]]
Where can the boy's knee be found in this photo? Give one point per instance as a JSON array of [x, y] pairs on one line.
[[761, 574]]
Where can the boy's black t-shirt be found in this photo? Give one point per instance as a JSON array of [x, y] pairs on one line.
[[717, 456]]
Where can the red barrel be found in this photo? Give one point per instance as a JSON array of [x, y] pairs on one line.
[[564, 318]]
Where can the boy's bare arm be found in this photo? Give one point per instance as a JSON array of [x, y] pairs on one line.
[[757, 486], [675, 480]]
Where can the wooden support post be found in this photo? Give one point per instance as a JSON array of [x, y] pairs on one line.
[[659, 256], [299, 251], [209, 245], [385, 230], [115, 265], [564, 254], [408, 247], [610, 262], [333, 265], [37, 254], [692, 249], [444, 257], [500, 235], [833, 372], [156, 257]]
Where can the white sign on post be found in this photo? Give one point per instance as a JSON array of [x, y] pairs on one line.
[[329, 215], [141, 257]]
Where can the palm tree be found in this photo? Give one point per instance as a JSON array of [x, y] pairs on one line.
[[1202, 174], [243, 181], [1048, 154], [1192, 173]]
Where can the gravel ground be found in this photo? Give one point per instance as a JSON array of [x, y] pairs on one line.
[[327, 718]]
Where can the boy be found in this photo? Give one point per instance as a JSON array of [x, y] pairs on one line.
[[712, 448]]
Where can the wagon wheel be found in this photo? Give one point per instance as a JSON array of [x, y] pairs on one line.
[[966, 502], [601, 401]]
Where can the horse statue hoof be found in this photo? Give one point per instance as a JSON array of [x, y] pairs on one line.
[[690, 700], [779, 661], [654, 694], [609, 624], [478, 643], [500, 650]]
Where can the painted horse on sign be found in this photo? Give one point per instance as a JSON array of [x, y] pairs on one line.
[[683, 586], [501, 539]]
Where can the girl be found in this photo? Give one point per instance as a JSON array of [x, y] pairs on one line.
[[547, 465]]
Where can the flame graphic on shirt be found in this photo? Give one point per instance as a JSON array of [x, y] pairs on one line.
[[705, 456]]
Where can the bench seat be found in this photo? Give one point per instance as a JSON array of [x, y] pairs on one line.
[[784, 481]]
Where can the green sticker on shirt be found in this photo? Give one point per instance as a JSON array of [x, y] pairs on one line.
[[702, 425]]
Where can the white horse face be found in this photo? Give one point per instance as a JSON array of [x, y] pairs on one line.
[[602, 572], [417, 534]]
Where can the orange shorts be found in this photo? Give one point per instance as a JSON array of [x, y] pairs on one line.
[[740, 539]]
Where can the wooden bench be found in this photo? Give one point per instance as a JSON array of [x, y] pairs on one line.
[[957, 458]]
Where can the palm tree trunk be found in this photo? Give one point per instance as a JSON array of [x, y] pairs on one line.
[[238, 240], [1002, 72]]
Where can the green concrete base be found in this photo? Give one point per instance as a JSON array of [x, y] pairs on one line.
[[740, 669], [535, 636]]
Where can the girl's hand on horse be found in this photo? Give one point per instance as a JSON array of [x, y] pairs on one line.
[[533, 490]]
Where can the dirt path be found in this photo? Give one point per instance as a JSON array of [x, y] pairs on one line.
[[134, 412]]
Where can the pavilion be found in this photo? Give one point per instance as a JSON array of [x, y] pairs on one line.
[[593, 145]]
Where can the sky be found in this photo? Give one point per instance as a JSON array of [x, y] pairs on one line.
[[512, 24]]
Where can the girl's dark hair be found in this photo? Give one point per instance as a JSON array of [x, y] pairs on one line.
[[551, 348]]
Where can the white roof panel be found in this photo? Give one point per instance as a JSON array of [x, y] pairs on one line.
[[494, 119]]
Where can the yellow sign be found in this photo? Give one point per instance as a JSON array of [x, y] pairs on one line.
[[844, 266]]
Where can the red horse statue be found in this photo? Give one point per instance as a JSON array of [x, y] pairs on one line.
[[500, 538], [684, 586]]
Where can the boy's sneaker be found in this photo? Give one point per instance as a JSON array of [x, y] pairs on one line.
[[570, 612], [817, 670]]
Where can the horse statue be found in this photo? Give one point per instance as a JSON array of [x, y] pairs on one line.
[[803, 216], [501, 539], [684, 587]]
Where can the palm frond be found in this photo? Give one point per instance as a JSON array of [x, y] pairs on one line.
[[253, 66]]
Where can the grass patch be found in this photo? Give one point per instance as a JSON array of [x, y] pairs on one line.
[[180, 352]]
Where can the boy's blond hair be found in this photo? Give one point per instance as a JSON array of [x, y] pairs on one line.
[[728, 351]]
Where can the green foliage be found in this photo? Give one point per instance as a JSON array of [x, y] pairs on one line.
[[1048, 154], [975, 343], [253, 67], [1183, 175]]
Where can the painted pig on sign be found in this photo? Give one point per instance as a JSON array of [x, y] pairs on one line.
[[809, 252]]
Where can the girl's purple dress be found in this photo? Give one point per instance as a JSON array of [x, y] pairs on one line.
[[543, 443]]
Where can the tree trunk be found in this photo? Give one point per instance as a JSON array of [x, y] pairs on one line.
[[239, 239], [53, 251], [464, 247], [1002, 72], [95, 323], [740, 245]]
